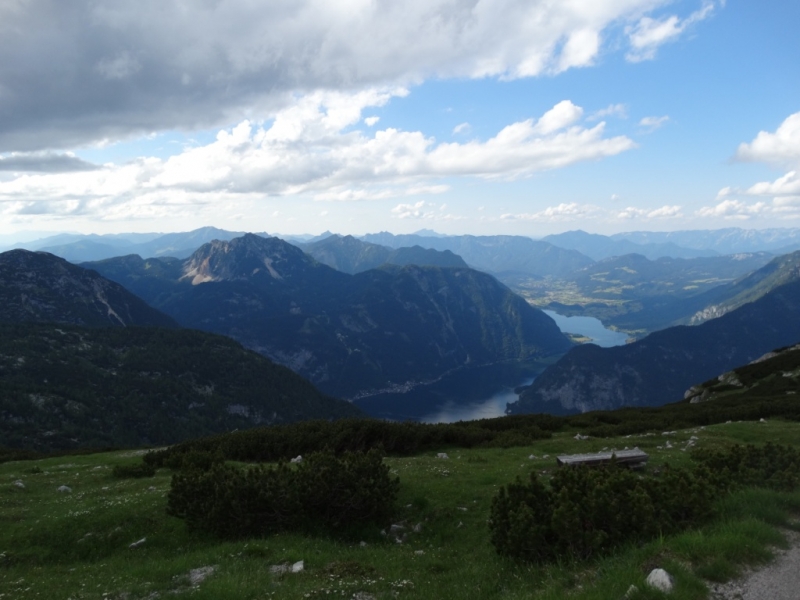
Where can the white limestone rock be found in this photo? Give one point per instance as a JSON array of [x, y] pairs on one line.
[[661, 580]]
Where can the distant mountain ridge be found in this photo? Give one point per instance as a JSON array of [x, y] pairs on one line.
[[598, 247], [659, 368], [351, 255], [730, 240], [496, 254], [348, 334], [83, 248], [40, 287]]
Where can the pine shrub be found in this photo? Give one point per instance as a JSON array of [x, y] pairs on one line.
[[323, 492], [586, 511]]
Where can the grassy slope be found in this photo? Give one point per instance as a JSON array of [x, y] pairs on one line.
[[56, 545]]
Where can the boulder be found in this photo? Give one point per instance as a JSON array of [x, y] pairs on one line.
[[660, 580]]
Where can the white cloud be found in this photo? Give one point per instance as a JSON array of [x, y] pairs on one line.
[[734, 210], [568, 211], [563, 114], [649, 34], [788, 185], [572, 211], [613, 110], [782, 196], [423, 210], [461, 128], [648, 214], [309, 149], [650, 124], [125, 69], [370, 121], [781, 148]]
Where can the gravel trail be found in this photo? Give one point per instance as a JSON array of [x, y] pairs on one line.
[[779, 580]]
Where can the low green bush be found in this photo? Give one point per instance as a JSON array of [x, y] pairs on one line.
[[134, 471], [771, 466], [585, 511], [323, 491]]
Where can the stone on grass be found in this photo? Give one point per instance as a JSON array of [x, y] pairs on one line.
[[297, 459], [660, 580], [65, 489], [197, 576], [578, 436], [138, 543], [442, 455], [19, 484], [631, 592], [287, 568]]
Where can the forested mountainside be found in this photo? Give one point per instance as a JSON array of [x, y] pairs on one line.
[[659, 368], [40, 287], [64, 387], [349, 334]]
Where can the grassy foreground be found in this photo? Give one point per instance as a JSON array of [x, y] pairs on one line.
[[77, 544]]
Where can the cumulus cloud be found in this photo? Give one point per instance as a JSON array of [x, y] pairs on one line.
[[649, 34], [780, 148], [310, 149], [781, 196], [734, 210], [124, 69]]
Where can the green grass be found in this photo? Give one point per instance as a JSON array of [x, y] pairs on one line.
[[76, 545]]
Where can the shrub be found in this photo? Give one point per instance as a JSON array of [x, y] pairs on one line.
[[323, 491], [586, 511], [134, 471]]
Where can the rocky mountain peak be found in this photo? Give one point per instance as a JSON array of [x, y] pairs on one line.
[[243, 258]]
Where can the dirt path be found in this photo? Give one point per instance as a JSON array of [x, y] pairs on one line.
[[779, 580]]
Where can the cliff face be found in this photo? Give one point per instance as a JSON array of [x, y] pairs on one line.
[[659, 368]]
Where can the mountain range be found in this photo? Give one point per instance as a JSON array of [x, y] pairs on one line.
[[350, 335]]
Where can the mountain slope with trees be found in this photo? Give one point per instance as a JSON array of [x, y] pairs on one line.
[[65, 387], [40, 287]]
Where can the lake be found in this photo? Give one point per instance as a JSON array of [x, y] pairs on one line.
[[589, 327], [477, 392]]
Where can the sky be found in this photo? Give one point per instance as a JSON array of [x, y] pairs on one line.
[[524, 117]]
